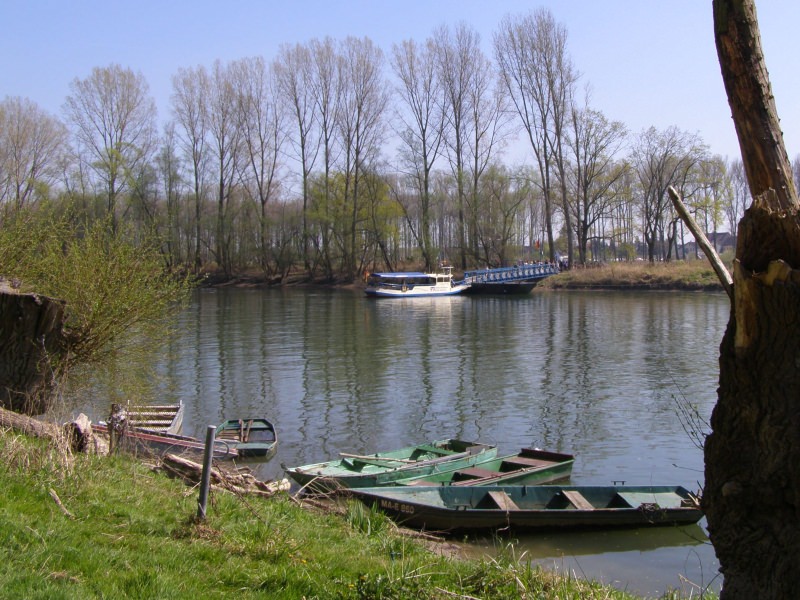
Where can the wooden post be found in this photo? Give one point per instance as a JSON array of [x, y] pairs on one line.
[[702, 241], [206, 478]]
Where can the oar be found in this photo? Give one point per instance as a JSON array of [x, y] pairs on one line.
[[386, 458]]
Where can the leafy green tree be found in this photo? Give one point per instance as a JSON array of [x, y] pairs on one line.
[[117, 296]]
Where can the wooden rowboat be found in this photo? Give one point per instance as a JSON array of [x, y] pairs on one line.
[[384, 468], [530, 466], [252, 438], [143, 442], [154, 430], [450, 508]]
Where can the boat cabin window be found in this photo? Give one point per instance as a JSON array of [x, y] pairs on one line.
[[377, 279]]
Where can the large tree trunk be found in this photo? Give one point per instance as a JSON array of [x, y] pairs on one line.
[[31, 339], [752, 457]]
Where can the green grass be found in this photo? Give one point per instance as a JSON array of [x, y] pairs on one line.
[[131, 532]]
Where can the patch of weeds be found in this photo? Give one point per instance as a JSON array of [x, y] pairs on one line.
[[369, 520]]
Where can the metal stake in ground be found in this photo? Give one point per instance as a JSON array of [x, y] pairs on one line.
[[206, 477]]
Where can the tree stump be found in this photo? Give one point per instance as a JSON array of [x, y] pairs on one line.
[[31, 342]]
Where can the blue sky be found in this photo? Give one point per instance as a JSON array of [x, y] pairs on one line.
[[649, 62]]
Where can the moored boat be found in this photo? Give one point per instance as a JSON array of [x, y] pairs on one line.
[[252, 438], [414, 284], [141, 441], [450, 508], [519, 279], [154, 430], [384, 468], [529, 466]]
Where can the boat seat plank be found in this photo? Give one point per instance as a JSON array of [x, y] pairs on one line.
[[503, 500], [577, 500], [476, 473]]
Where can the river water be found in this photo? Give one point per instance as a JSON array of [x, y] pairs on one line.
[[596, 374]]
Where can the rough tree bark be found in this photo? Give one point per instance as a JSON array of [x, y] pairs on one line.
[[752, 457], [31, 335]]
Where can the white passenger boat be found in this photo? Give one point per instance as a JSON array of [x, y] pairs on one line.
[[410, 284]]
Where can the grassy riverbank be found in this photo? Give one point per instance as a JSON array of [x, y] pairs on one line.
[[695, 275], [123, 530]]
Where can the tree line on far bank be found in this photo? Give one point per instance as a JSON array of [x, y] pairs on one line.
[[336, 158]]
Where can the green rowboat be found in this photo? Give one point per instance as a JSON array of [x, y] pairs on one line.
[[254, 439], [384, 468], [531, 466]]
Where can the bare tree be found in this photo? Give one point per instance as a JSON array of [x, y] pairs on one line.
[[661, 159], [422, 127], [262, 131], [225, 137], [190, 109], [293, 70], [169, 167], [113, 119], [456, 59], [561, 78], [364, 100], [740, 195], [476, 114], [326, 89], [594, 142], [713, 190], [487, 131], [32, 149], [539, 78], [505, 197]]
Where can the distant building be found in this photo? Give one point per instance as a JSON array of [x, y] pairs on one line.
[[721, 240]]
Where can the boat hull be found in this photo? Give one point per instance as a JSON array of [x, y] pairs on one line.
[[420, 291], [415, 293], [530, 508], [502, 289], [354, 471]]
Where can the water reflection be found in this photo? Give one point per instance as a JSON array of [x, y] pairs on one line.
[[595, 374], [647, 562]]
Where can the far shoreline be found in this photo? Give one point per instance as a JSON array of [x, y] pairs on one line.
[[680, 276]]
